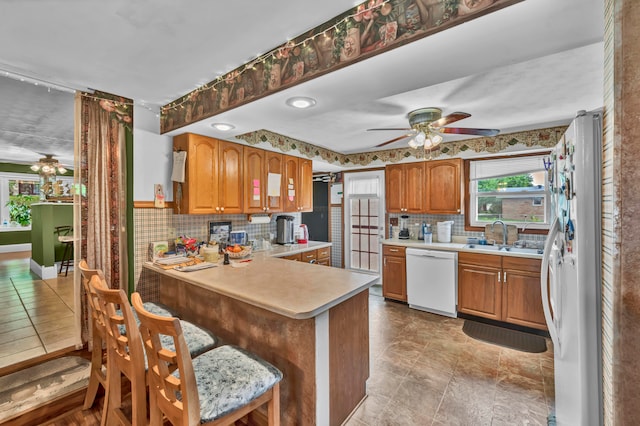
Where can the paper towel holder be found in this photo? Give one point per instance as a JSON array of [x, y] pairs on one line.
[[259, 218]]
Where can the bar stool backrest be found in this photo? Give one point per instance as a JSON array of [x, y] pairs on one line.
[[175, 395]]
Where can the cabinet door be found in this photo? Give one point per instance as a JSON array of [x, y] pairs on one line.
[[198, 194], [522, 299], [479, 291], [394, 183], [443, 186], [230, 178], [290, 183], [294, 257], [305, 177], [414, 187], [255, 182], [394, 278], [274, 164]]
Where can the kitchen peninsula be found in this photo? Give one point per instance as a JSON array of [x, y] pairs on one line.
[[311, 322]]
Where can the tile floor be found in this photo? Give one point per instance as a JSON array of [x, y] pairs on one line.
[[37, 315], [426, 371]]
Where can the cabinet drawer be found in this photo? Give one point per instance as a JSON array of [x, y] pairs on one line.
[[324, 253], [309, 256], [393, 250], [480, 259], [324, 262], [521, 263]]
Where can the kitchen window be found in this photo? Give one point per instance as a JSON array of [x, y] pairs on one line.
[[513, 190]]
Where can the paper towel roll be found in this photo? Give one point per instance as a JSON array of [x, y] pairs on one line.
[[259, 218]]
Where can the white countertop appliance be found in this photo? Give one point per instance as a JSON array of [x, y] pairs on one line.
[[432, 281], [571, 261]]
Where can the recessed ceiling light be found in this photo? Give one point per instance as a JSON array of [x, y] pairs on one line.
[[301, 102], [223, 127]]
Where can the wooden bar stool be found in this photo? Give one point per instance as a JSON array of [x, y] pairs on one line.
[[215, 388], [65, 237], [97, 377], [125, 354]]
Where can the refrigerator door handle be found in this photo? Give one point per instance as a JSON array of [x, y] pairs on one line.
[[544, 276]]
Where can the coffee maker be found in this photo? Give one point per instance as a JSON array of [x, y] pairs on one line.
[[284, 230], [404, 227]]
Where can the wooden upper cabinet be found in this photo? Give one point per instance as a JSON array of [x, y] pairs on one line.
[[213, 176], [198, 194], [298, 177], [414, 193], [258, 163], [394, 187], [305, 191], [230, 178], [290, 182], [443, 193], [405, 188], [275, 164]]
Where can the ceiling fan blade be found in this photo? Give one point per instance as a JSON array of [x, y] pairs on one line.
[[468, 131], [394, 140], [451, 118], [405, 129]]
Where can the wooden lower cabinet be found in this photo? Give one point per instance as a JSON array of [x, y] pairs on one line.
[[320, 256], [394, 273], [501, 288]]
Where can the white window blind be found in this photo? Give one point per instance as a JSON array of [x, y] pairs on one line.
[[364, 186], [489, 169]]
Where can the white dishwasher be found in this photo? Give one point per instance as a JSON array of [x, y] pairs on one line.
[[432, 281]]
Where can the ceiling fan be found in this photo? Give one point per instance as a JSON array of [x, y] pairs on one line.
[[427, 127]]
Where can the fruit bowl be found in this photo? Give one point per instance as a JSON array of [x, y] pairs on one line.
[[244, 252]]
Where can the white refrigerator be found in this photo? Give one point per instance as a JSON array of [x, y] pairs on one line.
[[571, 267]]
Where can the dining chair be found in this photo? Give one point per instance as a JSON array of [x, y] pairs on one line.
[[216, 388]]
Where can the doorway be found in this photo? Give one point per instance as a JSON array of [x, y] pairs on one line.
[[364, 205]]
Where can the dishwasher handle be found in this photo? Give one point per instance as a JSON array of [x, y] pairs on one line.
[[431, 254]]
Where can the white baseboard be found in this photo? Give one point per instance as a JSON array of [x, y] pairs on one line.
[[44, 272], [11, 248]]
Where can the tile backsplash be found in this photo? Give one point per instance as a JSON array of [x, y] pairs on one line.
[[458, 225]]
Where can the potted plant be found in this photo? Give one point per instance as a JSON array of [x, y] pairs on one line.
[[20, 209]]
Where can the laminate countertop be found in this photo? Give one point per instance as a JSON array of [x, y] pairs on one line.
[[296, 290]]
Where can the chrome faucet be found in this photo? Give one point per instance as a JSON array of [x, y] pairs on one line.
[[504, 231]]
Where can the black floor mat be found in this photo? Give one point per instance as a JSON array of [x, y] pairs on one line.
[[513, 339]]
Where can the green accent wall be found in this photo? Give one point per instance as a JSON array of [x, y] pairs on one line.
[[15, 237], [130, 227], [45, 248]]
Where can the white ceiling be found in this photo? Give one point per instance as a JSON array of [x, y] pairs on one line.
[[529, 65]]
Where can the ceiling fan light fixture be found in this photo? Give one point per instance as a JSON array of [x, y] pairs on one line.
[[301, 102], [436, 139], [35, 167], [412, 143], [420, 138]]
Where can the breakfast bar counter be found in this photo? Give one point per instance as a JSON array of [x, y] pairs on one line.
[[310, 321]]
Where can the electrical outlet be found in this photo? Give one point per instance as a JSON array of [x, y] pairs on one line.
[[172, 233]]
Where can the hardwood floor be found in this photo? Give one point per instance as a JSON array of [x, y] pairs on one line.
[[38, 314], [426, 371]]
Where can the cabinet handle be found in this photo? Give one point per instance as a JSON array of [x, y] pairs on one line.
[[221, 209], [393, 250], [499, 276], [385, 261], [217, 209], [264, 209], [504, 279], [312, 261]]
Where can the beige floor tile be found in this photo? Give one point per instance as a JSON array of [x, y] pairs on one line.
[[46, 318], [48, 326], [19, 345], [17, 334], [14, 325]]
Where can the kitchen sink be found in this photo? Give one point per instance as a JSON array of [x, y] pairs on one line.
[[510, 249], [522, 250], [482, 247]]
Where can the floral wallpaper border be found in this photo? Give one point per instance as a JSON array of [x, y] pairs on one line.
[[371, 28], [539, 138]]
